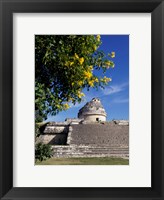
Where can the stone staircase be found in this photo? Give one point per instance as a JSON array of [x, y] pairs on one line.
[[90, 151]]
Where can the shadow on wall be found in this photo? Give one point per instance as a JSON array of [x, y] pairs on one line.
[[59, 139]]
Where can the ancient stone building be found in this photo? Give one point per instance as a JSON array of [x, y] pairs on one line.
[[89, 135], [92, 111]]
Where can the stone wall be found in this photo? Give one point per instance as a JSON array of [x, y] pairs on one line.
[[121, 122], [92, 110], [52, 139], [109, 134], [55, 133], [94, 118]]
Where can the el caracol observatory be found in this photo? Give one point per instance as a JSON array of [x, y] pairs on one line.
[[93, 111]]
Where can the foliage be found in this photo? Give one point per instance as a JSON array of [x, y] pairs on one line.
[[64, 65], [43, 151], [37, 131], [39, 128]]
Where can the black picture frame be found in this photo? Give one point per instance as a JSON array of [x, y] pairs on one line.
[[7, 8]]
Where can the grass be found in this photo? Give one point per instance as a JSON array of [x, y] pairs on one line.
[[84, 161]]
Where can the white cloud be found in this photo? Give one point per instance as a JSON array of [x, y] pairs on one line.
[[114, 89], [121, 100]]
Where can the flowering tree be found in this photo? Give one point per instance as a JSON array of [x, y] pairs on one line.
[[64, 66]]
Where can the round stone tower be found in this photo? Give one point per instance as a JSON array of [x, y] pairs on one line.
[[92, 111]]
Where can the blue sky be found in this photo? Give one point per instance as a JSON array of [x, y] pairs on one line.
[[115, 96]]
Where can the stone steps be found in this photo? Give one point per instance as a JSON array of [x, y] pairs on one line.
[[90, 151], [58, 147]]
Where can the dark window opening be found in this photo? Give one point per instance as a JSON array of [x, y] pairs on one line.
[[97, 119]]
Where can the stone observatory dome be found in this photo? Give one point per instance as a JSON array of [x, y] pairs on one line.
[[93, 111]]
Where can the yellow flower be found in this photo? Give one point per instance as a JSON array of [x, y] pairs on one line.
[[91, 83], [71, 63], [87, 74], [67, 63], [80, 94], [108, 63], [112, 54], [76, 56], [94, 47], [71, 99], [81, 60], [98, 37], [90, 67], [80, 83], [105, 79], [72, 83], [58, 106], [66, 106], [96, 80]]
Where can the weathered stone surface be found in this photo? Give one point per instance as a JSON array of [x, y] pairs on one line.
[[121, 122], [93, 111], [56, 129], [69, 137], [90, 151], [73, 120], [58, 123], [53, 139], [109, 134]]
